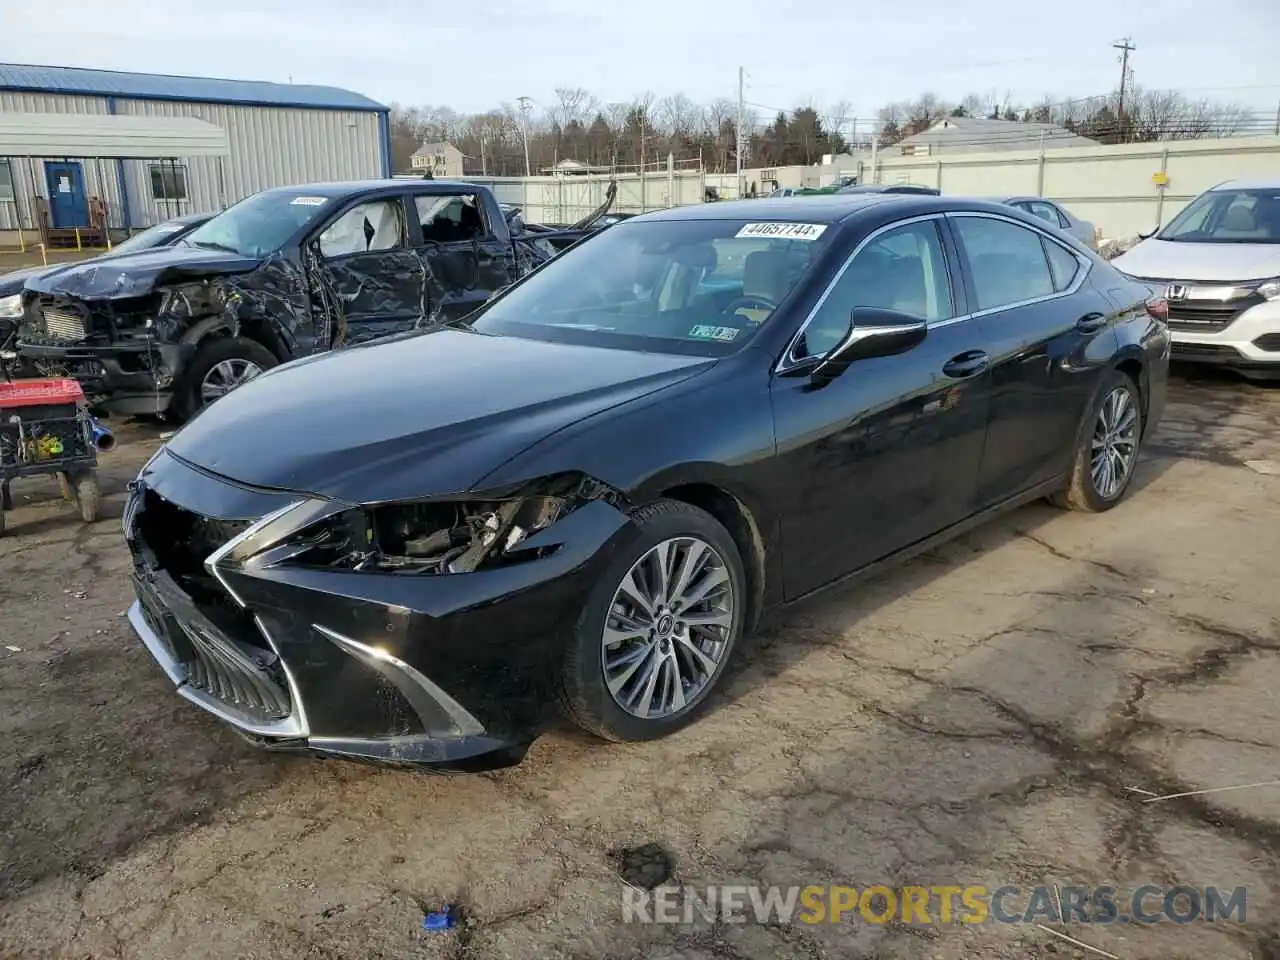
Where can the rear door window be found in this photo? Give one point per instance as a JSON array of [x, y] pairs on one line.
[[451, 219], [1007, 262], [1063, 265]]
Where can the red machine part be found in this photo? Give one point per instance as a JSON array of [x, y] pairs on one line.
[[39, 392]]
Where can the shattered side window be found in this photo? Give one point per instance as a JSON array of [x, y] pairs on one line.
[[450, 219], [365, 228]]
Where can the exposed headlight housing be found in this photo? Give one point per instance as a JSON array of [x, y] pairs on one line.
[[11, 307], [1270, 289], [189, 300], [437, 537]]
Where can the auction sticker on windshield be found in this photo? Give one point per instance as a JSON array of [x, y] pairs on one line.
[[308, 201], [783, 231]]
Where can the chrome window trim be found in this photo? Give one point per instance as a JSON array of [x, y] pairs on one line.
[[789, 362], [1085, 263]]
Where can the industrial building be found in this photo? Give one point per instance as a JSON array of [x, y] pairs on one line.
[[87, 152]]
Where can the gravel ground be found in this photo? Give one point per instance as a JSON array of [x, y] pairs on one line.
[[978, 716]]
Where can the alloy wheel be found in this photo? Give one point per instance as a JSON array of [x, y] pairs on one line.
[[1115, 443], [224, 377], [668, 628]]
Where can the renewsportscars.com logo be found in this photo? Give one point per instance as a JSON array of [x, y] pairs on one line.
[[739, 903]]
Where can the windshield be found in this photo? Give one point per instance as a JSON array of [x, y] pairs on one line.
[[259, 225], [1228, 216], [699, 287], [156, 236]]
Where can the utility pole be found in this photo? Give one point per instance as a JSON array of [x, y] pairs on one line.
[[524, 129], [1125, 47], [737, 127]]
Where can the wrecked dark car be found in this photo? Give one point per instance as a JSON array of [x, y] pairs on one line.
[[162, 234], [283, 274], [586, 493]]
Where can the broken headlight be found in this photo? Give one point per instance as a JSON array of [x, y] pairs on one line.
[[441, 537], [189, 300]]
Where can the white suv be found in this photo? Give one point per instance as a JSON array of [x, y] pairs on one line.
[[1218, 265]]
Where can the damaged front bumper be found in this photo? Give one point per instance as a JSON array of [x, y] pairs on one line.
[[126, 379], [456, 672]]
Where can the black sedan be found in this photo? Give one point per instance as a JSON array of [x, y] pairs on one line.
[[584, 494]]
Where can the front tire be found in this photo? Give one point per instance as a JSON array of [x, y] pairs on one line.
[[219, 366], [1107, 449], [658, 628]]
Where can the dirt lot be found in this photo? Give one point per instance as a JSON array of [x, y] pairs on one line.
[[978, 716]]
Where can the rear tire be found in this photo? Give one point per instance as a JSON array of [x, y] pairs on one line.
[[220, 363], [650, 638], [1111, 432]]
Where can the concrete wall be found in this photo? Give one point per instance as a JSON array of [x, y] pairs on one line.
[[565, 199], [1110, 186], [270, 147]]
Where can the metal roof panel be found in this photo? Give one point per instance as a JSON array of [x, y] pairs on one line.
[[149, 86]]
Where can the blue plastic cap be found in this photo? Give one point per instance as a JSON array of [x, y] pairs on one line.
[[438, 921]]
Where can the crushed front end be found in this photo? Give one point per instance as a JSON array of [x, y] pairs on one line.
[[110, 346], [426, 635]]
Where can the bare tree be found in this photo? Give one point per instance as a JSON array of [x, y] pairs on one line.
[[838, 118], [676, 115], [573, 102]]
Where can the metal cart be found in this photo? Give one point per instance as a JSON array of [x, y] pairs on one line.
[[46, 428]]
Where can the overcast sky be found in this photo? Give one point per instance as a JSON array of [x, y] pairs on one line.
[[473, 56]]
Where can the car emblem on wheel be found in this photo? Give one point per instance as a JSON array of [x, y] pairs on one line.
[[1176, 291]]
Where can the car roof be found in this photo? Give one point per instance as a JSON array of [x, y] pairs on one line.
[[833, 208], [836, 208], [348, 188], [817, 208], [918, 188], [1259, 183]]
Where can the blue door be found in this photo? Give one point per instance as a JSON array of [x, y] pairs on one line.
[[68, 205]]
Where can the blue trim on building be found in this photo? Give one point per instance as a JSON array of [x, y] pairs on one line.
[[122, 182], [76, 81], [384, 140]]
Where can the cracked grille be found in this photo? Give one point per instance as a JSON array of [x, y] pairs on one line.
[[238, 677], [219, 644]]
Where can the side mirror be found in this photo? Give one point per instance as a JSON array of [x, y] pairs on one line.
[[873, 332], [1148, 233]]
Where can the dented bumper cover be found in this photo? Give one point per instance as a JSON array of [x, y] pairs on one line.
[[126, 379], [456, 672]]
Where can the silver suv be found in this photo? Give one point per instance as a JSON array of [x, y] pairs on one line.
[[1218, 265]]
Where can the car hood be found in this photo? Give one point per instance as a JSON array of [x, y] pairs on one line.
[[137, 274], [425, 414], [1157, 259], [12, 282]]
